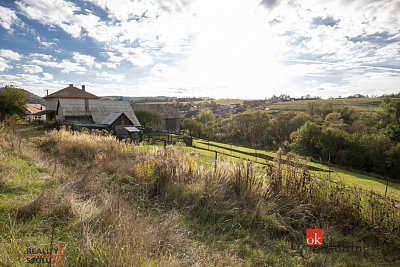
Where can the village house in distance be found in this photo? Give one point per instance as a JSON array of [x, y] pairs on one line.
[[31, 110], [80, 109]]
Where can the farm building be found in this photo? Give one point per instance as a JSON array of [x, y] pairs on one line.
[[169, 114], [79, 109], [114, 116]]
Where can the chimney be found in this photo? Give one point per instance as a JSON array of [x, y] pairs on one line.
[[71, 85], [83, 88]]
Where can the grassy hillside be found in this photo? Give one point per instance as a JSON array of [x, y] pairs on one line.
[[113, 204], [349, 178]]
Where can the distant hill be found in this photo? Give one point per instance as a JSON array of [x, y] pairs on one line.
[[32, 98], [154, 99], [122, 98]]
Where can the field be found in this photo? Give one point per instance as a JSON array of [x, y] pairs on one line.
[[358, 104], [114, 204], [218, 101], [363, 181]]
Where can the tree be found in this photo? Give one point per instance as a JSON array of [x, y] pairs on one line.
[[193, 126], [309, 139], [12, 102], [394, 165], [206, 116], [390, 117], [148, 118]]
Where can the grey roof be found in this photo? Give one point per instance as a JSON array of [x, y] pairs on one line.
[[166, 111], [112, 117], [98, 109], [132, 129]]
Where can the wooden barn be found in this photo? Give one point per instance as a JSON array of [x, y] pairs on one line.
[[121, 125], [169, 114]]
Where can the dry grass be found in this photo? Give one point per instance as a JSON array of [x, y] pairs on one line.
[[131, 205]]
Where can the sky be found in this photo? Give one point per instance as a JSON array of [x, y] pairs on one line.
[[248, 49]]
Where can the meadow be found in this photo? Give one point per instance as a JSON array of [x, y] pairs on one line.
[[348, 177], [109, 203], [358, 104]]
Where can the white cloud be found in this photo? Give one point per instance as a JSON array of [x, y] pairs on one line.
[[32, 69], [66, 66], [53, 13], [7, 18], [9, 54], [86, 59], [213, 47], [108, 76], [51, 64], [47, 76], [45, 44], [123, 10], [42, 56], [110, 65], [161, 70], [135, 55], [4, 65]]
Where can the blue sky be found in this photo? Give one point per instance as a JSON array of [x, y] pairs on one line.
[[223, 49]]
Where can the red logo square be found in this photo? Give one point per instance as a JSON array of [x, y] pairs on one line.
[[314, 237]]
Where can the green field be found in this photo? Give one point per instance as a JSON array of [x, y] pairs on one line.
[[350, 178], [358, 104]]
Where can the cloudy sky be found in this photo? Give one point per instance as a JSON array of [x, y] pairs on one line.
[[216, 48]]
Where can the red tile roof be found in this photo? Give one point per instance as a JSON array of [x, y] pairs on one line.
[[33, 108], [72, 92]]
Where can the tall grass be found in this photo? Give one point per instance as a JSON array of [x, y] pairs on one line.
[[131, 205]]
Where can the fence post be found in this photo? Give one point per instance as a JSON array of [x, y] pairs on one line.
[[387, 184], [216, 158]]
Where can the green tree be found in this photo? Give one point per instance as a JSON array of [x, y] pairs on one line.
[[394, 161], [148, 118], [206, 116], [193, 126], [309, 139], [390, 117], [12, 101]]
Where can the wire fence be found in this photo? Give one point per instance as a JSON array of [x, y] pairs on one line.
[[328, 177]]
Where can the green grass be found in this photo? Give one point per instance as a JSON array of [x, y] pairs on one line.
[[358, 104], [367, 182], [23, 182], [348, 177]]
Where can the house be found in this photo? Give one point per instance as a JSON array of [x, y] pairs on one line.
[[97, 114], [70, 92], [31, 110], [80, 109], [169, 114]]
